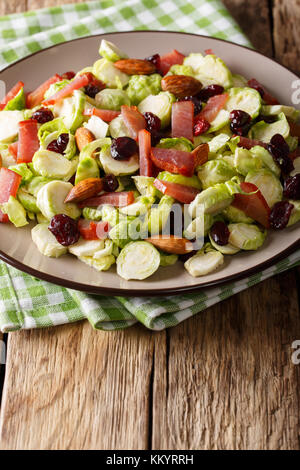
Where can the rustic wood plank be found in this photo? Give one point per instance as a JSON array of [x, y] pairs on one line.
[[8, 7], [226, 381], [253, 18], [71, 387], [286, 33], [34, 4]]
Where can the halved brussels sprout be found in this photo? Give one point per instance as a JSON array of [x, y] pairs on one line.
[[119, 233], [192, 181], [70, 110], [15, 211], [6, 157], [46, 242], [266, 158], [41, 219], [224, 249], [118, 167], [292, 142], [50, 131], [199, 227], [264, 131], [52, 165], [295, 214], [22, 170], [91, 213], [110, 51], [87, 168], [28, 201], [209, 69], [245, 161], [159, 215], [268, 184], [167, 260], [296, 169], [97, 126], [36, 184], [274, 110], [108, 249], [93, 147], [102, 264], [204, 262], [17, 103], [105, 71], [141, 86], [86, 247], [220, 121], [233, 214], [217, 144], [246, 99], [215, 171], [139, 207], [178, 143], [213, 199], [9, 125], [50, 200], [110, 214], [181, 70], [238, 81], [138, 260], [112, 99], [118, 128], [246, 236], [160, 104], [144, 184]]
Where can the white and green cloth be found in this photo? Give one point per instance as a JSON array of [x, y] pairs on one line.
[[26, 302]]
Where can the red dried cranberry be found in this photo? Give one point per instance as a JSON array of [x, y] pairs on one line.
[[279, 150], [123, 148], [291, 188], [110, 183], [92, 90], [64, 229], [196, 101], [280, 214], [266, 119], [42, 115], [155, 138], [59, 145], [256, 86], [155, 60], [210, 91], [201, 126], [68, 75], [239, 122], [220, 233], [153, 122]]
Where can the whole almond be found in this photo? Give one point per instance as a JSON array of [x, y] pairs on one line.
[[181, 85], [85, 189], [135, 66], [171, 244], [83, 137]]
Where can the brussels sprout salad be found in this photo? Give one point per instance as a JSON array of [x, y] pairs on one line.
[[144, 162]]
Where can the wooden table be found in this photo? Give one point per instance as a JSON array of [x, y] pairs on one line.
[[221, 380]]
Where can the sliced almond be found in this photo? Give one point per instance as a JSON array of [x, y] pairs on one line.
[[171, 244], [181, 85], [83, 137], [85, 189], [135, 66]]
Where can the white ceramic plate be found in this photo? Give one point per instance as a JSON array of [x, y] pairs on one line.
[[16, 247]]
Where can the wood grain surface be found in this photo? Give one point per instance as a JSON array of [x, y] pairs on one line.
[[221, 380]]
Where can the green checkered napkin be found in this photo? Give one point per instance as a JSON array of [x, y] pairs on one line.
[[27, 302]]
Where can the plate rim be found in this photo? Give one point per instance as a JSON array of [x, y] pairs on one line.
[[98, 290]]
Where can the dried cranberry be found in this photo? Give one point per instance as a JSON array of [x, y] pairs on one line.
[[280, 214], [256, 86], [42, 115], [153, 122], [291, 188], [266, 119], [155, 60], [240, 122], [59, 145], [279, 150], [155, 138], [110, 183], [210, 91], [220, 233], [123, 148], [196, 101], [201, 126], [92, 90], [68, 75], [64, 229]]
